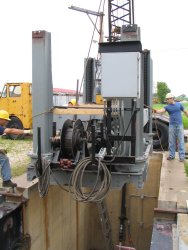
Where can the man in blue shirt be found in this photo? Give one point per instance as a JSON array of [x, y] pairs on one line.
[[4, 161], [176, 130]]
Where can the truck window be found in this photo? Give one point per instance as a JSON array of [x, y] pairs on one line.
[[15, 91], [4, 92]]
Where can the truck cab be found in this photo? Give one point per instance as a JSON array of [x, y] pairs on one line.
[[16, 99]]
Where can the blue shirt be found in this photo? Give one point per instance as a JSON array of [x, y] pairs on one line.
[[2, 129], [174, 111]]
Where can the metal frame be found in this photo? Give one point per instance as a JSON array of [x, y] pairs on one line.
[[119, 14]]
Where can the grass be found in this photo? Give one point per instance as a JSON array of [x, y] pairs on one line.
[[17, 151], [186, 168], [17, 171], [184, 117]]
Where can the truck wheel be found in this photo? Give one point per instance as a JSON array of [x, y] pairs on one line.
[[15, 123], [160, 138]]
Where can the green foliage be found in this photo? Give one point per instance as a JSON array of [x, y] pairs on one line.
[[158, 106], [19, 170], [185, 121], [182, 98], [185, 105], [186, 168], [162, 90]]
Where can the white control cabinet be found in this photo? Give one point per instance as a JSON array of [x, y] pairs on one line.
[[121, 74]]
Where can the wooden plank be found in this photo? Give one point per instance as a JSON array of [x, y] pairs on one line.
[[80, 110], [173, 185]]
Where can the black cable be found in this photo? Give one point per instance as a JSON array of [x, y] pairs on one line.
[[55, 179], [44, 178], [114, 153], [155, 121]]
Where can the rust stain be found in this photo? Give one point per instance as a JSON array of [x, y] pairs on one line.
[[46, 222]]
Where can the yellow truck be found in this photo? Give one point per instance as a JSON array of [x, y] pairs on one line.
[[16, 99]]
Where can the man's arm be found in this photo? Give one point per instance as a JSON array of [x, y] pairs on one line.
[[159, 111], [15, 131], [185, 112]]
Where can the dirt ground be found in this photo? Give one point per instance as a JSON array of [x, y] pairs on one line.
[[17, 151]]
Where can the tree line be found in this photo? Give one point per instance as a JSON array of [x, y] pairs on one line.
[[162, 90]]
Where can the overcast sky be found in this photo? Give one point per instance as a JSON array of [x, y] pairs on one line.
[[163, 31]]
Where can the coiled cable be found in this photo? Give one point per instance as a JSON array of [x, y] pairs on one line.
[[44, 178], [101, 186]]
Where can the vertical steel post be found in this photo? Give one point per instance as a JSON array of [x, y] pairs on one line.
[[93, 144], [39, 165], [42, 89], [108, 123]]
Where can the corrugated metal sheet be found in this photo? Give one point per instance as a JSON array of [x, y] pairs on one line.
[[61, 100], [61, 96], [64, 91]]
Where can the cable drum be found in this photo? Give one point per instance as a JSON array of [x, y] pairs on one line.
[[101, 185], [72, 138]]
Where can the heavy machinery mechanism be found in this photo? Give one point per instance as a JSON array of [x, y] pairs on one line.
[[11, 222], [98, 147], [111, 147]]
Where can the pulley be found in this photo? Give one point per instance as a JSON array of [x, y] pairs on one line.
[[72, 138]]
